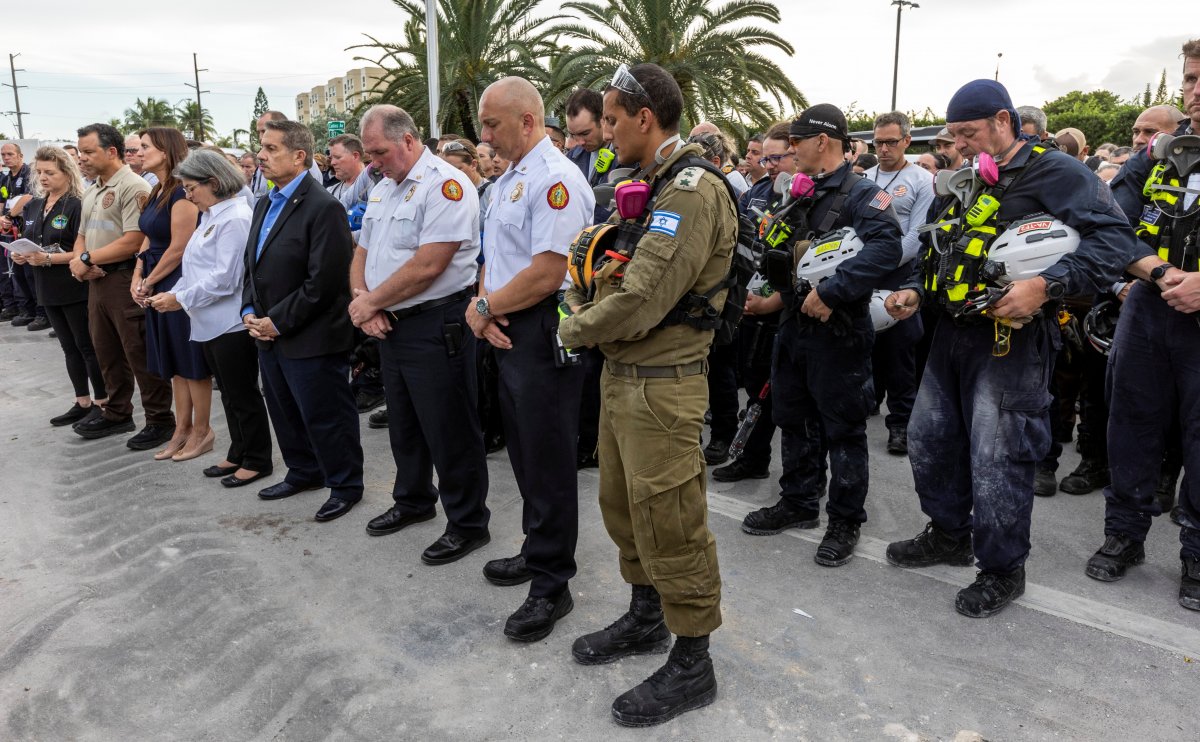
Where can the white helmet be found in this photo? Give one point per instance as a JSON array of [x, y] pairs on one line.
[[826, 253], [879, 315], [1028, 247]]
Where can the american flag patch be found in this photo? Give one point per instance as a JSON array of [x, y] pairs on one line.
[[882, 200]]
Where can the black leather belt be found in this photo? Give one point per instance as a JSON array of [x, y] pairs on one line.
[[657, 372], [124, 265], [425, 306]]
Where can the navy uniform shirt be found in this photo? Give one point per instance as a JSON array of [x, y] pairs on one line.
[[868, 211], [1127, 191], [759, 196]]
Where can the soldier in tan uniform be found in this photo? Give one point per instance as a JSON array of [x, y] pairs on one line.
[[654, 393]]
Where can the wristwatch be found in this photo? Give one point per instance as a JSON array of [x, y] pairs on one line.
[[1159, 271], [1055, 290], [482, 306], [86, 259]]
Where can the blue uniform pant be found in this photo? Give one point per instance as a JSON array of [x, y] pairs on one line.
[[1153, 375], [894, 360], [723, 390], [980, 425], [822, 393]]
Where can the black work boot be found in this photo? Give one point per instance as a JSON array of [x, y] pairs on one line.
[[1119, 553], [931, 546], [990, 592], [739, 470], [778, 518], [1089, 476], [686, 682], [1189, 584], [837, 548], [640, 631], [1165, 492], [897, 443], [1045, 484], [716, 452]]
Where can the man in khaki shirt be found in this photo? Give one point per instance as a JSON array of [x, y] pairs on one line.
[[653, 395], [108, 239]]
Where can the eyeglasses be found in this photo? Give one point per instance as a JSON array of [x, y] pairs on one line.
[[624, 81], [889, 143], [132, 150], [188, 189], [773, 159], [454, 147]]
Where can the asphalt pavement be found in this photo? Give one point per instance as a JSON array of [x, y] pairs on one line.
[[141, 601]]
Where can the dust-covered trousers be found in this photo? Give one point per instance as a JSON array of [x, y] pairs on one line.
[[980, 425]]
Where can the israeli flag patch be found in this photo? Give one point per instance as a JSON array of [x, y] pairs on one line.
[[665, 222]]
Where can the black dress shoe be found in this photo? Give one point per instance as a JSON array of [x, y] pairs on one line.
[[215, 471], [536, 617], [367, 401], [333, 509], [451, 547], [23, 320], [507, 571], [71, 416], [100, 427], [38, 324], [151, 436], [233, 481], [395, 519], [286, 489]]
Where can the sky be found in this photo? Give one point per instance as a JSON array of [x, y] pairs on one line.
[[92, 67]]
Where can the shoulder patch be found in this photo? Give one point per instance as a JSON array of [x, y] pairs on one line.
[[558, 196], [451, 190], [688, 178], [665, 222], [142, 199], [727, 169], [882, 200]]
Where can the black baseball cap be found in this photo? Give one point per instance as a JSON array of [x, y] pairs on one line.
[[823, 118]]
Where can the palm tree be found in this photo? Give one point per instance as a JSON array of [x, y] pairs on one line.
[[151, 112], [189, 116], [479, 41], [721, 61]]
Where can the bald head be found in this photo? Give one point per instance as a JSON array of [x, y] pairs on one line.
[[512, 117], [704, 127], [1152, 121]]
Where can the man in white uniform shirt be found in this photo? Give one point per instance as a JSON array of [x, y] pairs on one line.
[[894, 358], [411, 280], [537, 207]]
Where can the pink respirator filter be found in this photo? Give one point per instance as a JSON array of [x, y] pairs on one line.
[[631, 197], [986, 166], [802, 186]]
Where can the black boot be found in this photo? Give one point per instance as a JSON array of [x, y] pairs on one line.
[[1045, 484], [897, 443], [1189, 584], [931, 546], [1118, 554], [686, 682], [1089, 476], [640, 631], [990, 592]]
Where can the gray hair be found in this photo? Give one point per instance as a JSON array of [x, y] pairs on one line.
[[1033, 115], [395, 122], [206, 166], [296, 137], [1107, 166], [894, 117]]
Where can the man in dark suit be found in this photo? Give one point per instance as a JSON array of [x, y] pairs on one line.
[[294, 303]]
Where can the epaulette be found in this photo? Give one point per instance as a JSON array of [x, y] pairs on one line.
[[688, 178]]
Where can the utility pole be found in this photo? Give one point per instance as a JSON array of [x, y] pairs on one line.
[[198, 131], [12, 66], [900, 6], [431, 64]]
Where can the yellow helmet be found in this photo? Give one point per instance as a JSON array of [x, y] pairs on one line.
[[588, 252]]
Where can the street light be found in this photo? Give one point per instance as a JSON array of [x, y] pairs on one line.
[[900, 6]]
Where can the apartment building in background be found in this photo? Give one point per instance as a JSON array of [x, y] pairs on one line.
[[338, 94]]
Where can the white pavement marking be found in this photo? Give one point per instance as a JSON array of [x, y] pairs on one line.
[[1172, 637]]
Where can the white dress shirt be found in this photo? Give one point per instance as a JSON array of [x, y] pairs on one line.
[[210, 287]]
